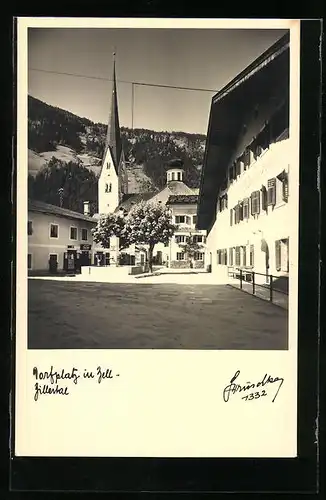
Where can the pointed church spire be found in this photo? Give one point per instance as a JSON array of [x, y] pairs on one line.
[[113, 137]]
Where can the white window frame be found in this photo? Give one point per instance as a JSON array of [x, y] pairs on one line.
[[53, 237], [31, 267], [81, 234], [200, 255], [70, 238], [182, 256]]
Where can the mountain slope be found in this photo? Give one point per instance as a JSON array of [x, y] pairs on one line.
[[54, 132]]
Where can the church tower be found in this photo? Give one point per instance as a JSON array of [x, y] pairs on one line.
[[113, 182]]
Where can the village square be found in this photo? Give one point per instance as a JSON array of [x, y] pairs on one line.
[[178, 267]]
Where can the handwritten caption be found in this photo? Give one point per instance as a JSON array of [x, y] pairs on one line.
[[54, 382], [249, 391]]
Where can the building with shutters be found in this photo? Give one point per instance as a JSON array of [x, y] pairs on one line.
[[244, 195]]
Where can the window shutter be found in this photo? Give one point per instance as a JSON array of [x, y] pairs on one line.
[[237, 256], [252, 252], [241, 211], [236, 214], [246, 208], [226, 200], [255, 202], [285, 188], [271, 194], [231, 256], [278, 255], [244, 256]]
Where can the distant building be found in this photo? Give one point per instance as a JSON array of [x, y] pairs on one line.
[[182, 202], [244, 194], [60, 239]]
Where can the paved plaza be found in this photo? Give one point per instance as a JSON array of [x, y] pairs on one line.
[[150, 315]]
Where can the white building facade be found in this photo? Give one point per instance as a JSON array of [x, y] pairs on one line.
[[244, 200]]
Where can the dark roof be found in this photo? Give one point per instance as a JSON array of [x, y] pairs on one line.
[[113, 136], [46, 208], [129, 200], [182, 199], [263, 85], [175, 163], [179, 188]]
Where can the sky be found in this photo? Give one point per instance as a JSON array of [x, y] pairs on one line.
[[196, 58]]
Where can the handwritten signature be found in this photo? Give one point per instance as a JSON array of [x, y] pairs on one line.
[[233, 387]]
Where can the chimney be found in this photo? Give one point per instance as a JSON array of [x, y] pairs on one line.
[[86, 208]]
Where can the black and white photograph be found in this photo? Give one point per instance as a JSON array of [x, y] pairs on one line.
[[157, 237], [159, 209]]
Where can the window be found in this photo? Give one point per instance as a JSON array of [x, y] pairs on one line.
[[232, 173], [198, 256], [108, 188], [282, 255], [180, 256], [29, 261], [107, 259], [73, 233], [231, 256], [198, 238], [231, 216], [222, 257], [238, 167], [29, 228], [180, 238], [238, 213], [251, 257], [283, 178], [246, 208], [84, 235], [194, 219], [244, 256], [179, 176], [179, 219], [246, 158], [255, 202], [54, 231], [263, 198], [172, 176], [237, 256], [108, 165], [271, 192], [219, 257]]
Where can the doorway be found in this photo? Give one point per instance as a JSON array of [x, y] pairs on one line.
[[53, 263]]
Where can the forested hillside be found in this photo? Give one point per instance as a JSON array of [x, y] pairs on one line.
[[57, 138]]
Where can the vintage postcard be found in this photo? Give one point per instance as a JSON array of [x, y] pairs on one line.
[[157, 237]]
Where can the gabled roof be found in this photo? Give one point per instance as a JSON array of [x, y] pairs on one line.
[[183, 199], [263, 85], [113, 136], [129, 200], [46, 208]]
